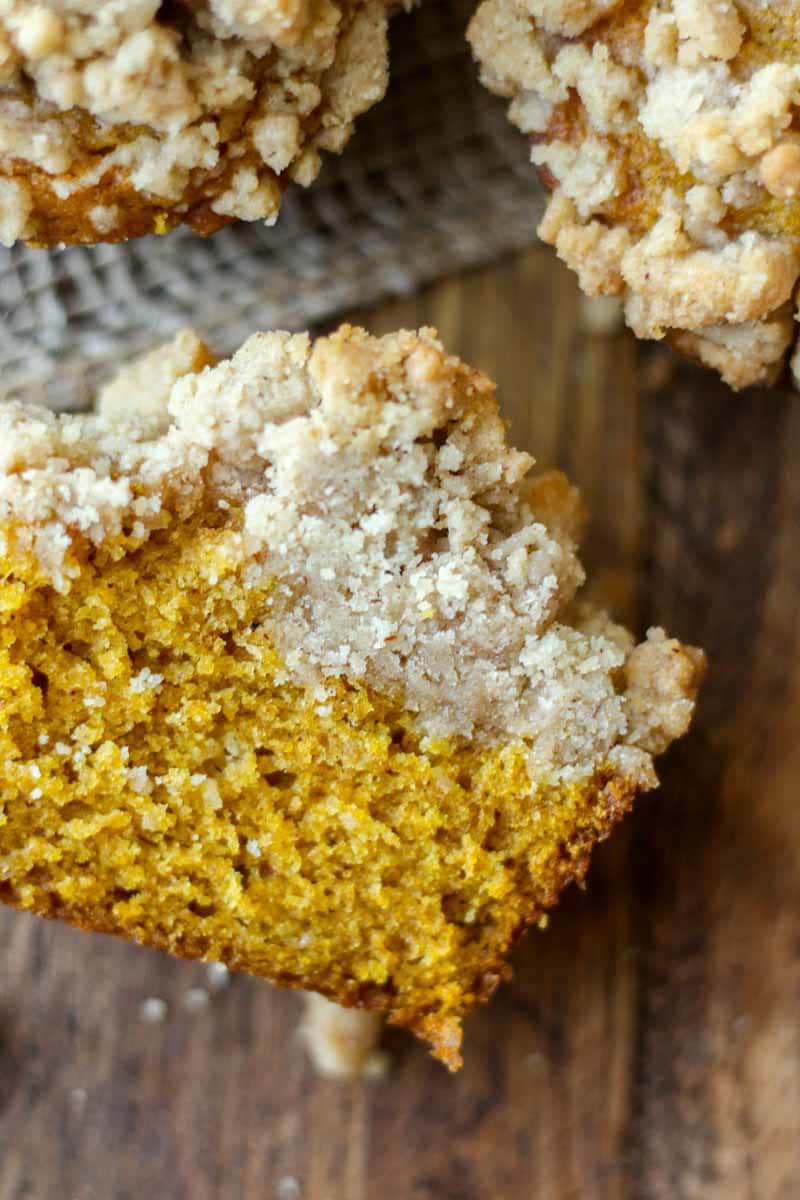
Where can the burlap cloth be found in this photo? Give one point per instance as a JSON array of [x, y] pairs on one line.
[[434, 180]]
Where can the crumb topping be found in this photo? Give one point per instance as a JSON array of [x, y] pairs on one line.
[[174, 109], [666, 130], [407, 544]]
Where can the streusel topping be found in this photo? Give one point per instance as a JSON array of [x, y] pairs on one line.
[[666, 130], [197, 111], [406, 543]]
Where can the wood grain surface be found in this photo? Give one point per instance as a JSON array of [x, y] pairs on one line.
[[649, 1045]]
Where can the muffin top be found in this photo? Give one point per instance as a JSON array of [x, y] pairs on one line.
[[374, 481], [666, 133], [131, 117]]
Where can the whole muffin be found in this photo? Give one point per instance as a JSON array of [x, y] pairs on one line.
[[667, 133], [133, 116]]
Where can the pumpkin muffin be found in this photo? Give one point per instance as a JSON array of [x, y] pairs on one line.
[[293, 675], [132, 116], [668, 133]]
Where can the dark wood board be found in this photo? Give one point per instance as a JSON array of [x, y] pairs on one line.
[[649, 1045]]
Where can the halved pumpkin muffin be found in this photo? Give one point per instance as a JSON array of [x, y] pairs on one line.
[[293, 675]]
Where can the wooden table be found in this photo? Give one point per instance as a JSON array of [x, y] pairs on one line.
[[649, 1046]]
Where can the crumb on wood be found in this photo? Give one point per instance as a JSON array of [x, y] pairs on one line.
[[153, 1010]]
